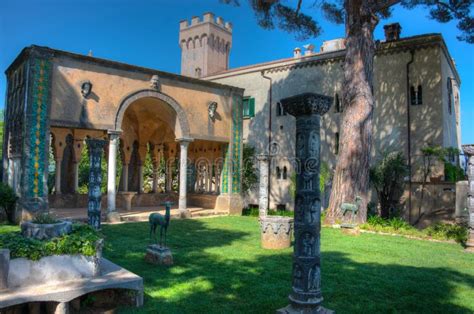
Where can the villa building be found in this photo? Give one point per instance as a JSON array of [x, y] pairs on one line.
[[416, 89], [201, 118]]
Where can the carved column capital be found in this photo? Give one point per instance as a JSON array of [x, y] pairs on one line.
[[307, 104]]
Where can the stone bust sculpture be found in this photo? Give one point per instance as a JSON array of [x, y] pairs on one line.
[[155, 82], [211, 109]]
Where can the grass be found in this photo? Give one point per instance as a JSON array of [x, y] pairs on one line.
[[219, 267]]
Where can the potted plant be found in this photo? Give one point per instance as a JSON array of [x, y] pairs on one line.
[[8, 199], [44, 226]]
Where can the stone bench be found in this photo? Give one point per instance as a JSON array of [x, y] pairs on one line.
[[111, 276]]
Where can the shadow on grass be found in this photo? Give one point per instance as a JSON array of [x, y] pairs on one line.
[[221, 269]]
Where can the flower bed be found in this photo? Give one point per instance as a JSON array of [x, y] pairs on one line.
[[437, 231], [82, 240], [67, 257]]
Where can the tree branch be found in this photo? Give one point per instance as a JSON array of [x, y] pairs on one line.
[[385, 4], [298, 7]]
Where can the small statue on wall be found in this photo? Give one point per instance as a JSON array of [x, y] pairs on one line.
[[211, 110], [155, 82]]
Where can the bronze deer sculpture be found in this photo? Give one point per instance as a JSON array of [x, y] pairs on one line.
[[157, 219]]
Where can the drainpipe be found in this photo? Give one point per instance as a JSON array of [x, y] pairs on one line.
[[412, 54], [269, 132]]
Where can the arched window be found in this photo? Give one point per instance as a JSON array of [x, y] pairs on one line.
[[450, 95], [285, 173], [280, 110], [419, 96], [197, 72], [278, 173], [337, 103]]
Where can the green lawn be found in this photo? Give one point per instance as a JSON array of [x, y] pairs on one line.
[[220, 268]]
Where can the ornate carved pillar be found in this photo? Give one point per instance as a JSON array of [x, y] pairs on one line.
[[183, 170], [112, 214], [263, 185], [306, 296], [96, 147], [469, 151]]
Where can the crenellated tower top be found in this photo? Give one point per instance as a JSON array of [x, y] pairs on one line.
[[205, 45]]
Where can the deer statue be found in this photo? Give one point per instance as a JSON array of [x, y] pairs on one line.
[[353, 208], [156, 219]]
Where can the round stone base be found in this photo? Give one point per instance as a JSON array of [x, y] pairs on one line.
[[45, 231], [290, 309], [276, 232], [158, 255]]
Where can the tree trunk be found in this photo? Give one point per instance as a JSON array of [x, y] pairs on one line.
[[351, 177]]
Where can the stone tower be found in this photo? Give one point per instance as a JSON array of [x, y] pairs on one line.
[[205, 45]]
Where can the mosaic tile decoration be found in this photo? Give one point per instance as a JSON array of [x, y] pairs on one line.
[[38, 127], [236, 143], [225, 171]]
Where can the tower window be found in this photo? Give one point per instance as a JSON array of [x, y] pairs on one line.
[[285, 173], [278, 173], [280, 110], [450, 95], [197, 72], [248, 107], [337, 103], [336, 143]]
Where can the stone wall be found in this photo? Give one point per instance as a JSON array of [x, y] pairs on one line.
[[323, 74]]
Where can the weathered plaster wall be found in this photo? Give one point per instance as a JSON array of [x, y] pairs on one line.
[[111, 86], [390, 112]]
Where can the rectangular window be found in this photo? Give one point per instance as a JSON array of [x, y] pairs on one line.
[[336, 146], [248, 107]]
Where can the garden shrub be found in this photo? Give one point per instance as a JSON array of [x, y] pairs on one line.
[[387, 178], [8, 199], [438, 231], [448, 231], [453, 173], [44, 218], [82, 240]]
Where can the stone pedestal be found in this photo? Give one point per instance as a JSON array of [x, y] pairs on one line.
[[469, 151], [276, 232], [306, 295], [127, 199], [290, 309], [158, 255], [4, 268]]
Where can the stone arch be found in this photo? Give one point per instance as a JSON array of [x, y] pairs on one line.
[[183, 124]]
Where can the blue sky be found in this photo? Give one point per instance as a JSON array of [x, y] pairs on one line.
[[145, 33]]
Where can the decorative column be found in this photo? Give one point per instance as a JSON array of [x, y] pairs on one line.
[[306, 296], [96, 147], [112, 214], [469, 151], [183, 169], [57, 179], [125, 176], [263, 185], [140, 177]]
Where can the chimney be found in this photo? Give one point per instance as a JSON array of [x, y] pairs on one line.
[[392, 31], [297, 52], [309, 49]]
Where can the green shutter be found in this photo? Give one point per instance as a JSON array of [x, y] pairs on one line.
[[252, 107]]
